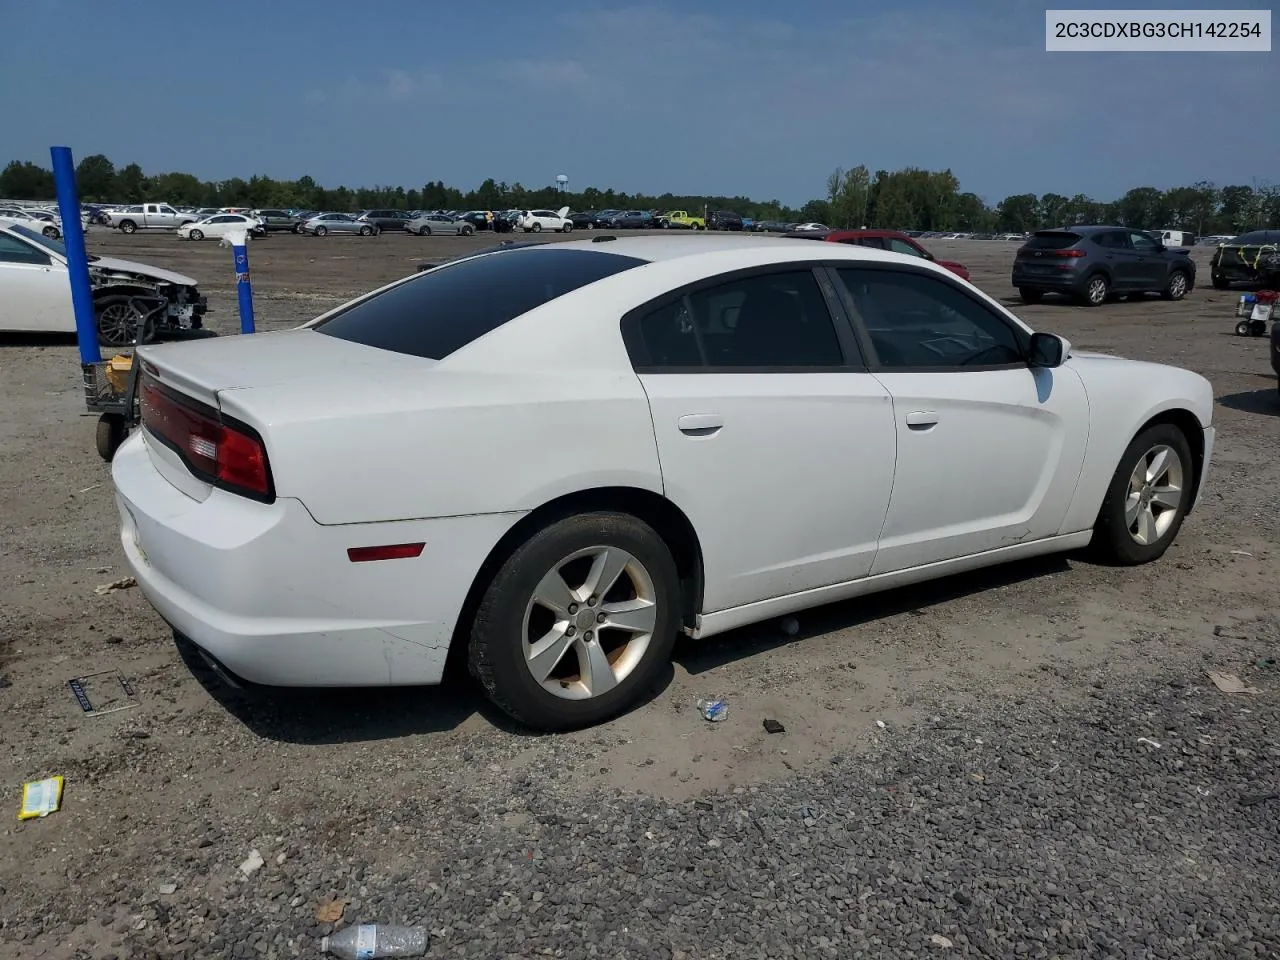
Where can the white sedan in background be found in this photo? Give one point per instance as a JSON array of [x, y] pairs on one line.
[[809, 227], [219, 225], [560, 456], [535, 221]]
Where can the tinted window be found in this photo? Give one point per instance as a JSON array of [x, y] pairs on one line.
[[901, 246], [767, 320], [918, 321], [1053, 240], [1112, 240], [1258, 236], [13, 250], [444, 309], [1142, 243]]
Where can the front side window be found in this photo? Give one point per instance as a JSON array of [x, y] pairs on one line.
[[901, 246], [763, 320], [1142, 243], [919, 322], [442, 310]]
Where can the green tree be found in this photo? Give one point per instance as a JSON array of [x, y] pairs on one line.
[[1019, 213], [96, 178], [131, 185], [23, 180]]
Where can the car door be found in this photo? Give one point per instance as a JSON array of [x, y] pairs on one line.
[[772, 436], [35, 294], [988, 449], [1120, 258], [1152, 269]]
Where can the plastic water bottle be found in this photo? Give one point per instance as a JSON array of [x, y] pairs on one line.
[[369, 941]]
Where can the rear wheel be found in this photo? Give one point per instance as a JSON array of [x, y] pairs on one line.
[[578, 622], [1148, 498], [1176, 287], [1028, 295], [111, 433], [1220, 282], [1096, 290]]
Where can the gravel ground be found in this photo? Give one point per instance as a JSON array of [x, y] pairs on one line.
[[1029, 761]]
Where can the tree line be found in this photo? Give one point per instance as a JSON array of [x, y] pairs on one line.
[[903, 199]]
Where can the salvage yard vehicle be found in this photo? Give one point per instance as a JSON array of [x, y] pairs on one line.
[[1094, 263], [323, 224], [680, 220], [678, 434], [1249, 258], [219, 225], [277, 220], [882, 240], [439, 224], [35, 293], [149, 216], [535, 221]]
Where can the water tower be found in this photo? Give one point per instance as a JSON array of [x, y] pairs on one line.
[[562, 182]]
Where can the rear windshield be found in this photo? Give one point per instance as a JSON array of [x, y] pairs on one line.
[[444, 309], [1258, 236], [1052, 240]]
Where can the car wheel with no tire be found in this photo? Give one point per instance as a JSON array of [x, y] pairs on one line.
[[578, 622], [1148, 497]]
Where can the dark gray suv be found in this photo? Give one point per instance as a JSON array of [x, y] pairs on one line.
[[1093, 264]]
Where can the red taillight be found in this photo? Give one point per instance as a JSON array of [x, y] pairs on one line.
[[391, 551], [1066, 253], [222, 453]]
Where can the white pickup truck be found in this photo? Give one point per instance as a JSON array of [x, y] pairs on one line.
[[149, 216]]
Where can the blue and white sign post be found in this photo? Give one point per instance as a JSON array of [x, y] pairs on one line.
[[238, 241]]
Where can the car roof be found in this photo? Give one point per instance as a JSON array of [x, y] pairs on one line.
[[676, 246]]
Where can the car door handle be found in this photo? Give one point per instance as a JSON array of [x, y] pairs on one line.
[[700, 424], [922, 420]]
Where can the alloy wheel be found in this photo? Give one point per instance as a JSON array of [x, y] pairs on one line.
[[589, 622], [1155, 492]]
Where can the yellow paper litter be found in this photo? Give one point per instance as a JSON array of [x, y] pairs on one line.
[[40, 798]]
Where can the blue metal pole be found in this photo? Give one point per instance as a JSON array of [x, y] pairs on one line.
[[244, 289], [64, 179]]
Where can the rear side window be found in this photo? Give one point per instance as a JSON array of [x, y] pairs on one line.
[[444, 309], [1258, 237], [1053, 240]]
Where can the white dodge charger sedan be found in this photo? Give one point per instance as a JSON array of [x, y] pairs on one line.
[[558, 456]]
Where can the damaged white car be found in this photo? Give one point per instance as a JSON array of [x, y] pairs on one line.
[[35, 293]]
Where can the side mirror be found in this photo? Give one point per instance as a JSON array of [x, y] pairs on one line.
[[1047, 350]]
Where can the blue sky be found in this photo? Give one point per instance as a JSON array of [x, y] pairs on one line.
[[747, 97]]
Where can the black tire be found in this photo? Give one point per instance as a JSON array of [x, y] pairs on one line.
[[497, 650], [468, 231], [1176, 286], [567, 228], [1028, 295], [322, 231], [117, 321], [1243, 328], [366, 231], [196, 235], [298, 229], [1095, 290], [111, 433], [1220, 282], [424, 231], [128, 226], [1112, 540], [51, 232], [1258, 328]]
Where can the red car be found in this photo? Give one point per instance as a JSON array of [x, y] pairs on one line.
[[882, 240]]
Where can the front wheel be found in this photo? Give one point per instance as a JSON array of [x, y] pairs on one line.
[[468, 231], [195, 235], [50, 232], [578, 622], [117, 321], [1244, 328], [110, 434], [567, 228], [1148, 498], [128, 227], [1176, 287], [424, 231], [536, 228], [366, 231], [322, 231]]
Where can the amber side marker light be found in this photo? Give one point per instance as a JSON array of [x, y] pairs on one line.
[[390, 551]]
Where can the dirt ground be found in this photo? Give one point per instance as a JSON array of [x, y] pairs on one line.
[[179, 788]]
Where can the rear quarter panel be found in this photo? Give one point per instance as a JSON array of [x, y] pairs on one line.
[[445, 444], [1123, 396]]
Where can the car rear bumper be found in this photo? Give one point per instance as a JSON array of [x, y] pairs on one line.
[[1056, 280], [272, 595]]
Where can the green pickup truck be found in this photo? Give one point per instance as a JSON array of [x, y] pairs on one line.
[[680, 220]]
